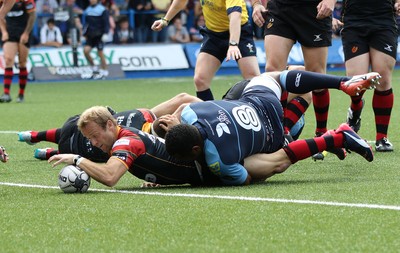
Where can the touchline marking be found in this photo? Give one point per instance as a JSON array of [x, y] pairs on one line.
[[9, 132], [309, 202]]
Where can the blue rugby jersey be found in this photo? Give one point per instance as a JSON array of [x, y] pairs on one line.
[[234, 130]]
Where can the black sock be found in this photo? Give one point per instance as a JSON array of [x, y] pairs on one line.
[[205, 95], [301, 82]]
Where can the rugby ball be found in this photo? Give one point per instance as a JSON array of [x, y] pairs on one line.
[[72, 179]]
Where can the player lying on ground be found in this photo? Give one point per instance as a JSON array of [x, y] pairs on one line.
[[98, 125], [225, 132], [70, 140]]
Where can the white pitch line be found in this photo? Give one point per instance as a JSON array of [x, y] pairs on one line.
[[293, 201], [9, 132]]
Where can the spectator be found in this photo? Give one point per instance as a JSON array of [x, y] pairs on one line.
[[62, 19], [45, 7], [177, 32], [194, 32], [113, 11], [124, 33], [50, 35], [142, 21]]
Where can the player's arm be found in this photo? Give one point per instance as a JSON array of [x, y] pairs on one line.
[[31, 10], [4, 9], [258, 10], [176, 6], [325, 8], [106, 173], [234, 174], [235, 18]]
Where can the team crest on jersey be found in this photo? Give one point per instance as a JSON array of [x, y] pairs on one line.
[[215, 168], [354, 49], [270, 23]]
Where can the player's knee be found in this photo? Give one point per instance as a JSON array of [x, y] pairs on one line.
[[201, 83], [281, 168]]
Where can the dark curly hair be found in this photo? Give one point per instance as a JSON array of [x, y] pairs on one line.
[[181, 138]]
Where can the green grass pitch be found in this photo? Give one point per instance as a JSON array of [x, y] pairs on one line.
[[323, 206]]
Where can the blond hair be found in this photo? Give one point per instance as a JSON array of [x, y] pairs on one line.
[[97, 114]]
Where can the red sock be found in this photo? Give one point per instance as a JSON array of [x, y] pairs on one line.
[[302, 149], [382, 104], [51, 135], [321, 107], [23, 77], [8, 75], [295, 109]]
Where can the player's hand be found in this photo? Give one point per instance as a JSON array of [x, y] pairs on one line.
[[61, 158], [3, 154], [168, 121], [336, 24], [397, 8], [158, 25], [325, 8], [258, 14], [24, 38], [233, 53], [4, 36]]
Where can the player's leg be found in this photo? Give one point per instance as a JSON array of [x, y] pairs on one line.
[[103, 72], [23, 52], [262, 166], [45, 153], [86, 51], [249, 67], [277, 50], [171, 105], [356, 66], [296, 106], [383, 98], [303, 81], [315, 59], [206, 67], [32, 137], [103, 65], [10, 50]]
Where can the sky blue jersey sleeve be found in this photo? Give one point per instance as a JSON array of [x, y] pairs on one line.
[[230, 174]]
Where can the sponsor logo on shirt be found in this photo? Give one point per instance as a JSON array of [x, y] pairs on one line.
[[121, 142], [215, 168], [121, 155]]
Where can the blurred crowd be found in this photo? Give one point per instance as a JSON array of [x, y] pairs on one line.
[[130, 22], [126, 27]]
